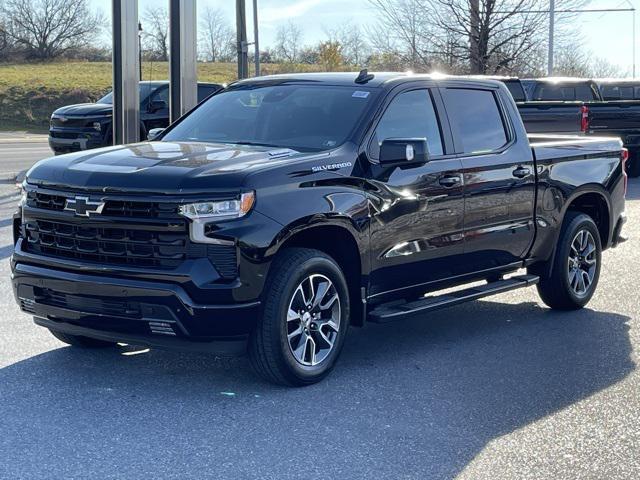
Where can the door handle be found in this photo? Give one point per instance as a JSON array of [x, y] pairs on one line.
[[521, 172], [449, 181]]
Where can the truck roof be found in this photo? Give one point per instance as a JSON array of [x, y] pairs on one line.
[[379, 80], [559, 80]]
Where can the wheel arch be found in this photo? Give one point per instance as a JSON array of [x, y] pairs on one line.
[[342, 243], [593, 202]]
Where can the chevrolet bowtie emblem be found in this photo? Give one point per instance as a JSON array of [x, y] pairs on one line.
[[83, 207]]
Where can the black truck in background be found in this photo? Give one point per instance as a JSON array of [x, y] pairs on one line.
[[578, 106], [89, 125], [285, 209]]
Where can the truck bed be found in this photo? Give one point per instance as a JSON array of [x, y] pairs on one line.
[[557, 147]]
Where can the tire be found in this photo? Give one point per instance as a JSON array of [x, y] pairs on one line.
[[279, 348], [81, 342], [573, 264], [633, 164]]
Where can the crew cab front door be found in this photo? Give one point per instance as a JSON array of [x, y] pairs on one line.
[[499, 177], [416, 210]]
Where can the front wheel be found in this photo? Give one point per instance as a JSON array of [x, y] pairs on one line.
[[576, 267], [306, 316]]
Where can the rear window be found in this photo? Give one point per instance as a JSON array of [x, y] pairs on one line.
[[618, 92], [475, 117], [567, 93]]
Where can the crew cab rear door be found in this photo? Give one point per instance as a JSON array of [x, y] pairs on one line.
[[416, 209], [499, 175]]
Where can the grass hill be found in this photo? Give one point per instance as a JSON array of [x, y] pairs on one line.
[[30, 92]]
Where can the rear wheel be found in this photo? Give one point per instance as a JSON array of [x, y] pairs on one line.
[[576, 267], [306, 315], [82, 342]]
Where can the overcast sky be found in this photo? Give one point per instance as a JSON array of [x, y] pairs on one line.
[[606, 35]]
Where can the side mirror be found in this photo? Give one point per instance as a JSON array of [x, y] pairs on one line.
[[154, 133], [407, 151], [156, 105]]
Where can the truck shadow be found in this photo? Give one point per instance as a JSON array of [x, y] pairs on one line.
[[415, 399], [633, 190]]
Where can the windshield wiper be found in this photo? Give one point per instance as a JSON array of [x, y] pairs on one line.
[[256, 144]]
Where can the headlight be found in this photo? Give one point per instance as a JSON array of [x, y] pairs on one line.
[[203, 213], [23, 196], [226, 209]]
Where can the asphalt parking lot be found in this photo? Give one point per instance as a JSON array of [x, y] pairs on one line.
[[19, 151], [496, 389]]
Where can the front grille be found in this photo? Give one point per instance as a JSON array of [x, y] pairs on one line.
[[112, 246], [112, 208], [65, 135], [46, 201], [70, 122], [103, 306], [159, 240]]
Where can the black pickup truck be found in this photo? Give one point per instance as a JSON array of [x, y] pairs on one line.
[[579, 106], [284, 209], [88, 125]]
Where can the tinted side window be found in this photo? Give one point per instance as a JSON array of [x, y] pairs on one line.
[[516, 90], [476, 117], [626, 93], [204, 91], [162, 95], [410, 115]]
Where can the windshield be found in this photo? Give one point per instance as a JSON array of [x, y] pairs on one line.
[[145, 91], [300, 117]]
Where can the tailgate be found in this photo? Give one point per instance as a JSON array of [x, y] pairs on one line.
[[616, 116], [551, 117]]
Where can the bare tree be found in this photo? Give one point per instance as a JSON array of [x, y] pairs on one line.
[[156, 33], [216, 36], [289, 43], [354, 49], [46, 29], [405, 27], [492, 35]]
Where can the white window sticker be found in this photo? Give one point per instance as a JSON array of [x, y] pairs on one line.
[[361, 94]]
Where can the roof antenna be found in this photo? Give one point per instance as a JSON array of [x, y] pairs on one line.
[[364, 77]]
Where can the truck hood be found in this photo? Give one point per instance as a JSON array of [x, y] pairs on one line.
[[158, 167], [85, 110]]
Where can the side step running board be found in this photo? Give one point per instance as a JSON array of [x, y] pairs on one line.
[[394, 311]]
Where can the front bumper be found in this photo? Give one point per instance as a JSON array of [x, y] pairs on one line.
[[147, 313]]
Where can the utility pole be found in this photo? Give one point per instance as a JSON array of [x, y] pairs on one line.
[[256, 34], [243, 46], [140, 47], [552, 26], [474, 37], [633, 36]]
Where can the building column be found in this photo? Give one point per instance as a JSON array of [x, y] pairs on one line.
[[126, 93], [182, 57]]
